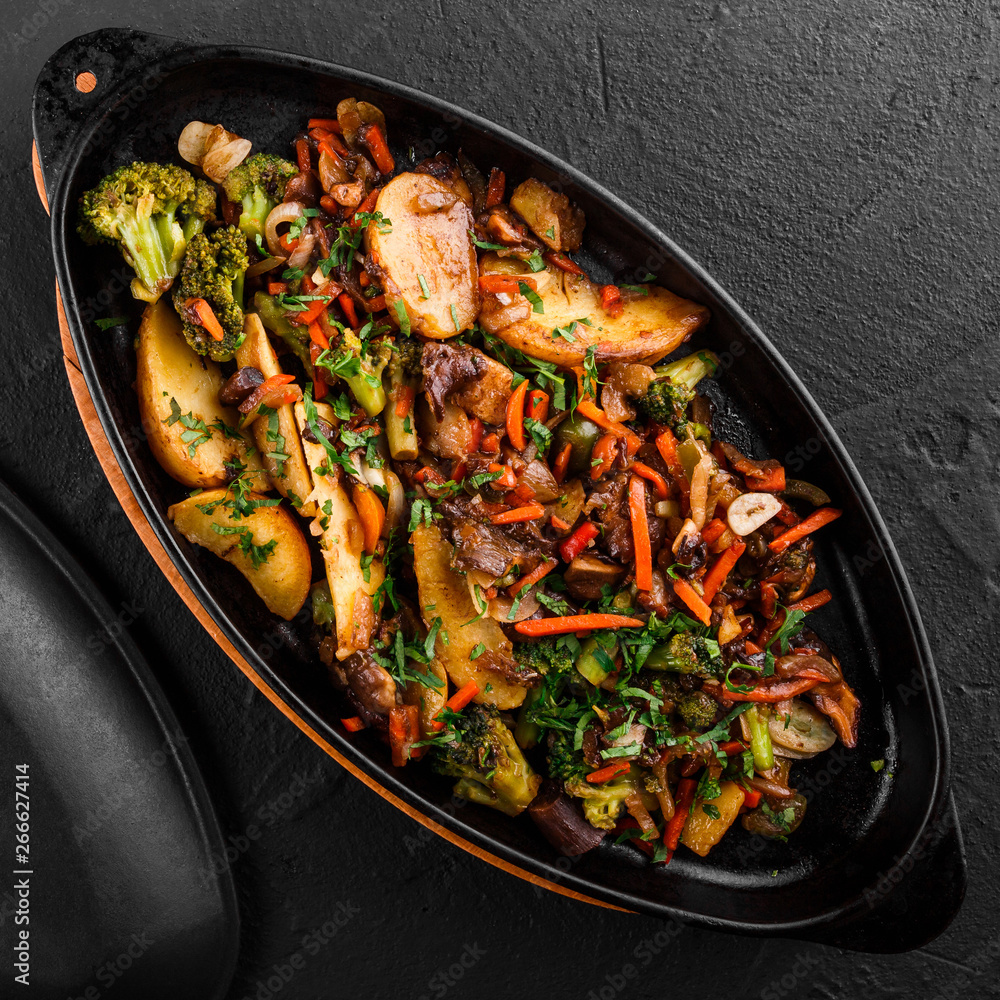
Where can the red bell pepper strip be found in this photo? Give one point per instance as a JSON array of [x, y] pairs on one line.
[[607, 773], [578, 541], [353, 724], [682, 806], [495, 189], [404, 731]]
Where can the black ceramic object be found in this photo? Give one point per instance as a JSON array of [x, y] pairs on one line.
[[878, 865], [126, 890]]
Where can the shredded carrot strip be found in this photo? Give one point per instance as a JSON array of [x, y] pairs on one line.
[[640, 534], [530, 579], [515, 416], [574, 623], [347, 304], [405, 401], [683, 799], [372, 137], [812, 602], [463, 696], [716, 576], [659, 483], [475, 434], [814, 521], [353, 724], [318, 337], [371, 513], [604, 454], [538, 405], [375, 304], [329, 124], [561, 464], [715, 529], [693, 600], [559, 524], [666, 444], [530, 512], [607, 773], [206, 318]]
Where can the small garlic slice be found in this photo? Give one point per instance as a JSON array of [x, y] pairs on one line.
[[749, 511]]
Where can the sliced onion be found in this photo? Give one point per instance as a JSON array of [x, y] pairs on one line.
[[332, 171], [538, 478], [795, 664], [500, 606], [751, 510], [287, 211], [700, 477], [396, 506], [350, 195], [303, 249], [262, 266]]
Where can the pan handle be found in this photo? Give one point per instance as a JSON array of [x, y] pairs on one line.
[[911, 903], [88, 80]]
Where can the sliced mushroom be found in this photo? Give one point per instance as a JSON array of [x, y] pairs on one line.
[[799, 731]]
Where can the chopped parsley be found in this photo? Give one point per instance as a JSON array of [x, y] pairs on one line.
[[425, 292], [532, 296], [112, 321], [195, 432], [258, 554]]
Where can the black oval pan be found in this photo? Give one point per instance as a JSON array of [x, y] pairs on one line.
[[878, 865], [122, 885]]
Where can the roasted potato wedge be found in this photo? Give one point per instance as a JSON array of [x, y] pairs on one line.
[[701, 831], [429, 237], [291, 476], [341, 537], [550, 215], [649, 328], [283, 575], [169, 372], [444, 594]]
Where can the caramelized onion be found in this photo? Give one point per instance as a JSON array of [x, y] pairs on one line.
[[287, 211], [623, 382]]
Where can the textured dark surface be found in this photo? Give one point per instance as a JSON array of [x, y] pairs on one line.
[[836, 172]]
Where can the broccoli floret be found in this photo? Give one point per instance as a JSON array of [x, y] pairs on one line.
[[687, 653], [603, 804], [697, 710], [409, 355], [360, 364], [150, 211], [487, 761], [668, 395], [544, 655], [213, 270], [563, 761], [259, 184]]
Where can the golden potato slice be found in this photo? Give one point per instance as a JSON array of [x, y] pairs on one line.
[[290, 476], [550, 215], [284, 570], [429, 237], [341, 538], [486, 396], [701, 831], [444, 594], [179, 404], [649, 328]]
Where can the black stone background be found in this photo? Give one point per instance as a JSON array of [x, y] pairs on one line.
[[834, 165]]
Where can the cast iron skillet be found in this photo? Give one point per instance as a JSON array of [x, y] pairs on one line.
[[126, 890], [878, 865]]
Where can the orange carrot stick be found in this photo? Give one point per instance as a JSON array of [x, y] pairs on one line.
[[640, 534]]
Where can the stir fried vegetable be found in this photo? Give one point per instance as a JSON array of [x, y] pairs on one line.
[[539, 559]]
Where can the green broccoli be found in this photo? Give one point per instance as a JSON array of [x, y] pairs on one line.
[[259, 183], [603, 804], [213, 270], [563, 761], [668, 395], [697, 710], [687, 653], [150, 211], [360, 364], [543, 655], [487, 761], [410, 357]]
